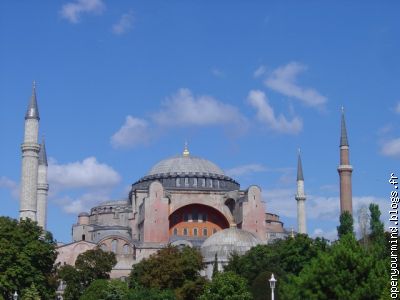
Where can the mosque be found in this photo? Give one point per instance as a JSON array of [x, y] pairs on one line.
[[183, 200]]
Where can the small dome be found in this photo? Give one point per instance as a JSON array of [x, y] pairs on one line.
[[226, 242], [184, 165]]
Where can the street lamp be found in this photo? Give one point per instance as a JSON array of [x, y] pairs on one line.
[[272, 283], [15, 296]]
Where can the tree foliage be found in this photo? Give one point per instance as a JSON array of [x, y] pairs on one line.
[[346, 224], [347, 271], [169, 268], [226, 286], [89, 266], [283, 257], [102, 289], [27, 256]]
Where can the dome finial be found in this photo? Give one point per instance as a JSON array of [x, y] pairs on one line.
[[186, 150]]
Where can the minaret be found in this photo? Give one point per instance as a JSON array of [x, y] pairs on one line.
[[42, 187], [30, 150], [345, 170], [301, 199]]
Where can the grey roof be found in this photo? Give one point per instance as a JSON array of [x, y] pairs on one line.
[[113, 202], [299, 169], [184, 165], [83, 214], [32, 112], [343, 134], [226, 242], [42, 154]]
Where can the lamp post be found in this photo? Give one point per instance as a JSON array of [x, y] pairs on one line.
[[15, 296], [272, 283]]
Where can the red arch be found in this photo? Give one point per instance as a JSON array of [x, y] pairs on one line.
[[204, 219]]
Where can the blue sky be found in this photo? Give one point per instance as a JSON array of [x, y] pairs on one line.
[[123, 84]]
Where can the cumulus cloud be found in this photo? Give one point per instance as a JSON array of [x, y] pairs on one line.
[[397, 108], [10, 185], [266, 114], [133, 132], [88, 173], [245, 170], [81, 203], [72, 11], [217, 72], [184, 109], [391, 148], [260, 71], [283, 80], [124, 24]]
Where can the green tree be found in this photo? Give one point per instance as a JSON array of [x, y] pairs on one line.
[[30, 293], [215, 265], [169, 268], [226, 286], [191, 290], [377, 235], [260, 286], [102, 289], [283, 257], [347, 271], [346, 224], [153, 294], [27, 256], [89, 266]]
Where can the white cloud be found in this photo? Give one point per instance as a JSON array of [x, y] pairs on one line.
[[184, 109], [81, 203], [260, 71], [397, 109], [124, 24], [283, 80], [72, 11], [133, 132], [265, 114], [88, 173], [245, 170], [217, 72], [11, 185], [391, 148]]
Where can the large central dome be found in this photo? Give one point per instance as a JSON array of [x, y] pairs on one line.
[[185, 165], [186, 172]]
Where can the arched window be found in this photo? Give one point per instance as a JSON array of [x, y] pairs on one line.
[[195, 231], [114, 246], [178, 182], [175, 231], [203, 182], [185, 231], [214, 230], [194, 181], [205, 232], [126, 249], [186, 181]]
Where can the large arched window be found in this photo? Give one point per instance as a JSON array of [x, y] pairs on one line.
[[114, 244], [126, 249]]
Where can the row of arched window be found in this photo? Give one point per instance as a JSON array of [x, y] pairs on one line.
[[126, 249], [194, 231], [197, 182]]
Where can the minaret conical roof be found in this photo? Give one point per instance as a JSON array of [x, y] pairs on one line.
[[32, 112], [299, 168], [343, 133], [42, 154]]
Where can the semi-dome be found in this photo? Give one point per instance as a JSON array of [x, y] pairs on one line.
[[227, 241], [185, 165]]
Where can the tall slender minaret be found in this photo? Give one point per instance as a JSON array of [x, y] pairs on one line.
[[301, 199], [42, 187], [30, 160], [345, 170]]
